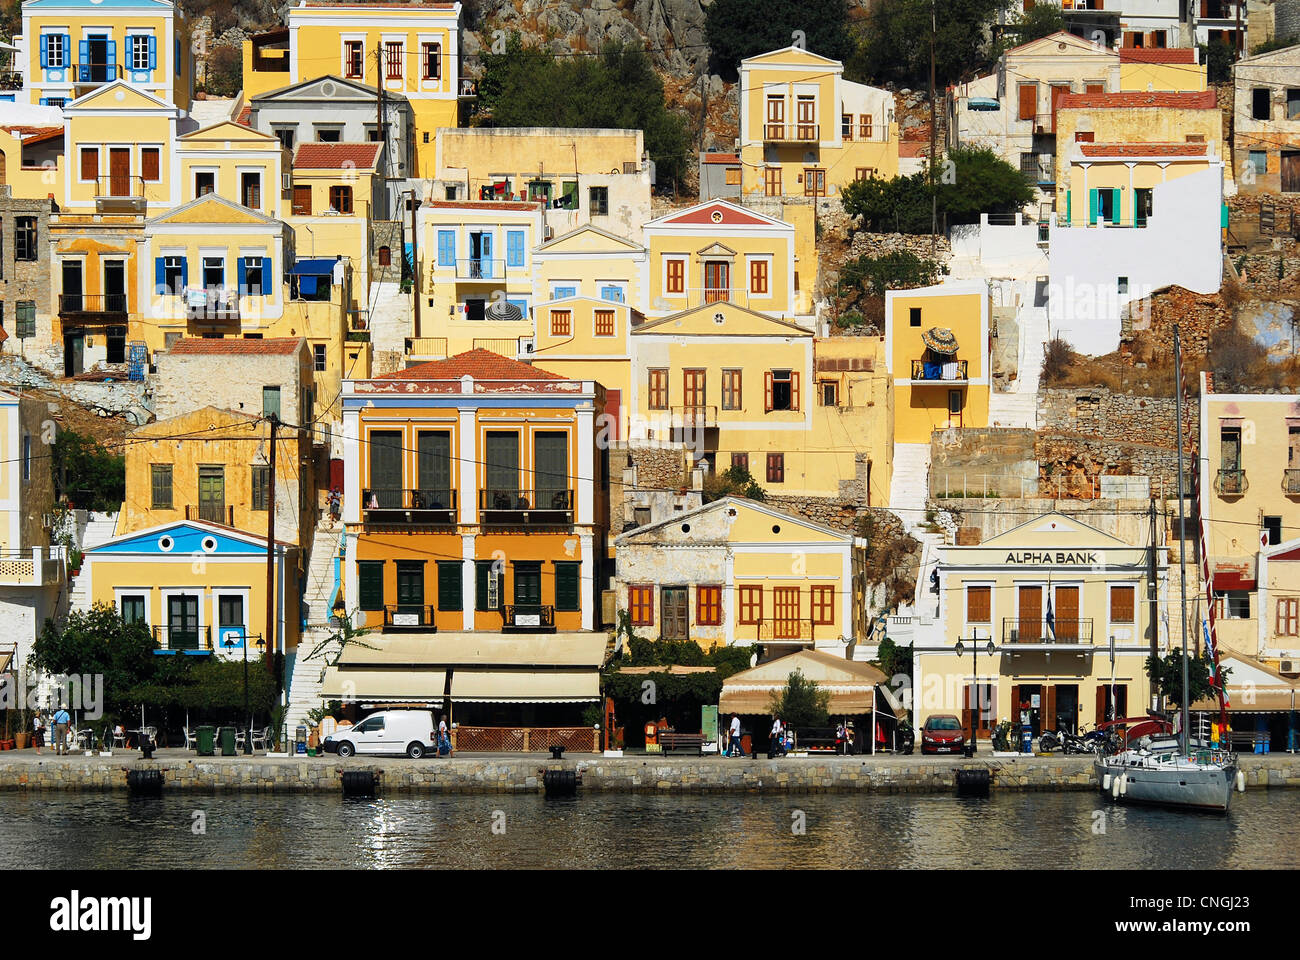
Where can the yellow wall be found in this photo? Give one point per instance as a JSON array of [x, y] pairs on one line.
[[133, 123], [778, 251], [1134, 125], [229, 151], [584, 356], [483, 153], [1162, 76], [34, 183], [1103, 174]]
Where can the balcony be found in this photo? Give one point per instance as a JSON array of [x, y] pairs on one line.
[[119, 193], [1291, 483], [468, 90], [213, 305], [426, 348], [358, 326], [480, 268], [30, 568], [1230, 482], [791, 133], [527, 618], [1066, 631], [212, 513], [394, 505], [701, 296], [408, 616], [93, 307], [545, 507], [954, 371], [786, 630], [173, 639], [695, 416]]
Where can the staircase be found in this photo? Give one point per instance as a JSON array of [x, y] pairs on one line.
[[908, 494], [1019, 407], [99, 529], [390, 321], [307, 673], [320, 589], [318, 599]]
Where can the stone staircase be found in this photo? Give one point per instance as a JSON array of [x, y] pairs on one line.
[[99, 529], [390, 320], [908, 495], [1019, 406], [306, 670], [315, 649], [320, 588]]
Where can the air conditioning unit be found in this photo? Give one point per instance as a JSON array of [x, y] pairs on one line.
[[527, 345], [548, 233], [1289, 667]]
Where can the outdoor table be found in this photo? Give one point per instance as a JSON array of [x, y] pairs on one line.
[[139, 732]]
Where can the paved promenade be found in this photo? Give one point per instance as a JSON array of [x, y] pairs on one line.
[[523, 773]]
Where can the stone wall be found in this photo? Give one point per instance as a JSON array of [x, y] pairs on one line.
[[876, 244], [1097, 412], [983, 461], [26, 280]]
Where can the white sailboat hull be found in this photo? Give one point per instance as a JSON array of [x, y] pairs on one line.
[[1169, 781]]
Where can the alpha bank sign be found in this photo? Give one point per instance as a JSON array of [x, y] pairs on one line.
[[1056, 558]]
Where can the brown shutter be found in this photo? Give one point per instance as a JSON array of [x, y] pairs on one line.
[[1101, 703], [794, 390], [978, 606], [1014, 714], [1047, 719], [89, 164], [767, 392], [301, 201], [1028, 101], [149, 164]]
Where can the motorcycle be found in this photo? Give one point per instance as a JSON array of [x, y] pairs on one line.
[[1050, 740], [906, 738]]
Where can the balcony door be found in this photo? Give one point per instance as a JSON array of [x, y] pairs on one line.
[[434, 463], [551, 470], [528, 584], [73, 288], [480, 256], [212, 494], [1066, 612], [673, 607], [385, 470], [410, 589], [119, 171], [115, 286], [183, 622], [1029, 612], [806, 118], [717, 280], [693, 391], [785, 613], [501, 472], [98, 56], [775, 118]]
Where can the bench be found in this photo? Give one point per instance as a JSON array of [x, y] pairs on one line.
[[815, 740], [1251, 740], [672, 740]]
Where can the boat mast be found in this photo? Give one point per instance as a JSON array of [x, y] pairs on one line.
[[1182, 520]]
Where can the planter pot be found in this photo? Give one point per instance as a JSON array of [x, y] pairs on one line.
[[6, 744], [22, 740]]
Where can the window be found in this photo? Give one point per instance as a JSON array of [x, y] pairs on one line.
[[56, 51], [341, 199], [864, 127], [301, 201], [641, 604], [641, 516], [160, 482], [451, 584], [659, 389], [214, 273], [24, 319], [514, 248], [271, 402], [1122, 603], [604, 323], [250, 189], [431, 62], [776, 468], [132, 607], [261, 487], [731, 397], [287, 136], [318, 356], [823, 605], [561, 323], [1288, 616], [566, 585], [914, 316], [979, 603], [150, 166], [731, 176], [782, 390], [370, 584], [1273, 528], [138, 46], [89, 164], [205, 182], [814, 182], [829, 391], [354, 54], [846, 126], [1029, 165], [230, 611], [1260, 101], [708, 605], [446, 248], [393, 60], [1122, 285], [772, 181], [1258, 160], [27, 457], [1292, 103], [758, 270], [25, 238], [864, 173], [329, 134], [173, 276], [1232, 604], [750, 605], [1028, 101], [487, 585], [676, 276], [598, 200]]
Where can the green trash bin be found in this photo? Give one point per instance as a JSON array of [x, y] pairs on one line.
[[206, 737], [227, 741]]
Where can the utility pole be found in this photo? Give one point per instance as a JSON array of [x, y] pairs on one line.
[[415, 259], [934, 137], [379, 117], [1153, 606], [270, 552]]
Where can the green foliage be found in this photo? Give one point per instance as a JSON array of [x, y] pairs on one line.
[[896, 270], [732, 482], [894, 43], [979, 181], [1166, 675], [736, 29], [893, 659], [1040, 20], [11, 19], [225, 72], [1218, 58], [1277, 43], [87, 473], [802, 703], [528, 87]]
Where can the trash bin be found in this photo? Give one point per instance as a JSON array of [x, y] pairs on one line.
[[1027, 740], [227, 741], [206, 736]]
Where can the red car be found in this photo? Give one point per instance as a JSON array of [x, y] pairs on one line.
[[943, 733]]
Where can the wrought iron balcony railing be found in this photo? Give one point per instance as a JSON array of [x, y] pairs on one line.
[[524, 616], [183, 638], [1230, 482], [1063, 630], [954, 371], [539, 506], [401, 505], [84, 304], [791, 132], [408, 616]]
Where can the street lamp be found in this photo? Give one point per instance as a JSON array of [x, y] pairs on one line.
[[975, 682], [248, 729]]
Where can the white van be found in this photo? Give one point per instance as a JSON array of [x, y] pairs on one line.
[[389, 732]]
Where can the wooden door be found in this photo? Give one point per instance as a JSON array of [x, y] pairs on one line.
[[1058, 91], [212, 494], [1030, 613], [673, 606], [386, 459], [785, 613], [1028, 93], [717, 280], [183, 622], [410, 588], [1291, 171], [1067, 613], [693, 390], [1047, 715], [775, 118], [119, 171], [806, 118]]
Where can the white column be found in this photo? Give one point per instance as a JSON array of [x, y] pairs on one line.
[[467, 468], [584, 485], [349, 576], [468, 588], [351, 468], [586, 575], [729, 598], [846, 596]]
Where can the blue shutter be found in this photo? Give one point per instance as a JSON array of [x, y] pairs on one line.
[[243, 276], [178, 56], [112, 54], [563, 293], [185, 271], [268, 278], [83, 59], [67, 50], [159, 274], [446, 248], [612, 294], [515, 248], [45, 50], [153, 52]]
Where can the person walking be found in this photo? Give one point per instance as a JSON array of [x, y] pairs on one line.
[[61, 721], [444, 740], [733, 737], [38, 731], [774, 738]]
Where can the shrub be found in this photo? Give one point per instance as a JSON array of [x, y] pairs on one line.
[[801, 703], [225, 73], [1058, 358]]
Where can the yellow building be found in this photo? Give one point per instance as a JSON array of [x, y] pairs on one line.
[[720, 251], [1118, 180], [412, 50], [31, 160], [937, 352], [805, 131], [73, 46], [1041, 606], [476, 284], [1250, 510], [1164, 68], [236, 162], [742, 388], [738, 572]]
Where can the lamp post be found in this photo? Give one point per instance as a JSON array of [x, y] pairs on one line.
[[975, 682], [248, 728]]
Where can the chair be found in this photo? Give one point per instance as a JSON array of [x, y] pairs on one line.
[[119, 738], [260, 738], [191, 742]]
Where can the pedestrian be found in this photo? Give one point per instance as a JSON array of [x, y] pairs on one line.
[[839, 737], [61, 721], [444, 740], [38, 731], [334, 499], [774, 738], [733, 737]]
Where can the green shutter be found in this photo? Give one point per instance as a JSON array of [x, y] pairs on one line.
[[450, 580], [1067, 206], [370, 584], [1116, 201], [1092, 207], [566, 586]]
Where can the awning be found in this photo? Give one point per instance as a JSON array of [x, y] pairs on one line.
[[522, 686], [425, 686], [1235, 574], [477, 650], [940, 340], [1261, 701], [503, 310], [982, 103], [851, 684], [319, 267]]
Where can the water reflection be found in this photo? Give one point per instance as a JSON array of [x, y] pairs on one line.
[[1012, 830]]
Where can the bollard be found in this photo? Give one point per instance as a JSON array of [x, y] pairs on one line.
[[146, 747], [560, 783], [144, 783], [557, 752], [973, 783], [360, 783]]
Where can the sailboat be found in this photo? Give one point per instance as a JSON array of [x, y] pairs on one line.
[[1160, 769]]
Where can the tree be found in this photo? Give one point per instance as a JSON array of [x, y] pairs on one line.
[[225, 72], [98, 642], [83, 470], [1218, 58], [736, 29], [732, 482], [1166, 675], [1040, 20], [894, 660], [894, 44], [896, 270], [801, 703]]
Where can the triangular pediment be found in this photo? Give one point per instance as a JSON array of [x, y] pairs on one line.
[[722, 319], [1060, 43], [229, 130], [1054, 529], [733, 520], [715, 250], [718, 214], [211, 208], [119, 95], [331, 88], [823, 668], [789, 56], [184, 540], [589, 239]]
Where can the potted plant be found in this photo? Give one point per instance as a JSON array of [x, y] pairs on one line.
[[23, 735]]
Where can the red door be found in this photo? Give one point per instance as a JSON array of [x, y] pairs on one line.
[[119, 172]]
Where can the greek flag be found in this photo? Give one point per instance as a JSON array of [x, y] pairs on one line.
[[1051, 620]]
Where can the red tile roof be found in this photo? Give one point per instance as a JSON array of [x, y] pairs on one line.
[[244, 115], [1152, 55], [1143, 149], [1204, 100], [336, 156], [722, 158], [200, 346], [33, 134], [914, 148], [479, 364], [483, 204]]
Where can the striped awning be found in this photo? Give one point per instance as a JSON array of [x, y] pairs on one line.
[[353, 686]]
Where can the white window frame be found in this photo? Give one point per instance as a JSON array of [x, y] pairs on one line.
[[621, 284], [120, 592], [166, 593], [556, 284], [65, 55], [771, 278], [685, 259], [965, 606], [194, 180], [217, 594], [260, 254], [99, 160], [131, 37], [431, 82], [344, 40]]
